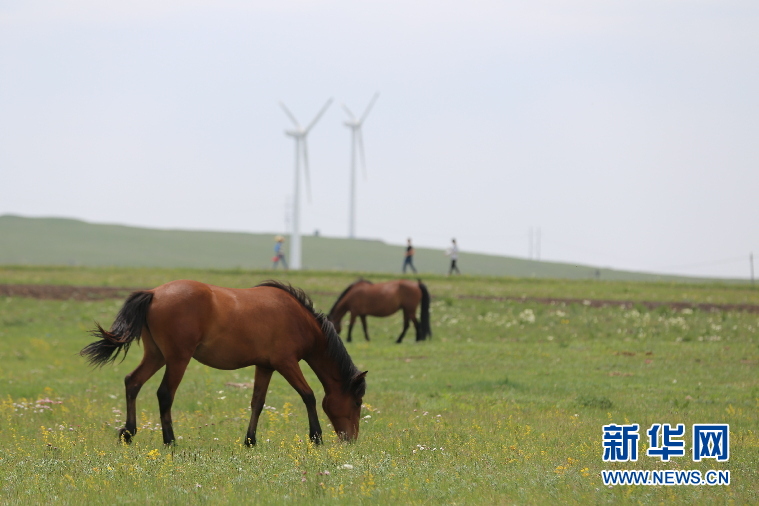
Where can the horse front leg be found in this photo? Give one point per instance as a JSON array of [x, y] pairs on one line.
[[363, 324], [260, 387], [350, 326], [171, 379], [152, 360], [405, 328], [294, 376]]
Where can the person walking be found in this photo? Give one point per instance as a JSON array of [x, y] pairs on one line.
[[453, 252], [408, 261], [279, 255]]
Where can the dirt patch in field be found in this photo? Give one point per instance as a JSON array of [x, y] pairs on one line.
[[64, 292], [68, 292]]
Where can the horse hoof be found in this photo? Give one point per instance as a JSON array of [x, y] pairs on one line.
[[125, 435], [250, 442]]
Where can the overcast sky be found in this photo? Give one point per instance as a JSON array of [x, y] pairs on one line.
[[628, 131]]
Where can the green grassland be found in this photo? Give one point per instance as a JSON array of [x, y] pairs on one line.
[[504, 405], [333, 282], [57, 241]]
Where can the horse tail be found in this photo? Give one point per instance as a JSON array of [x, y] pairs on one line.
[[127, 327], [426, 329]]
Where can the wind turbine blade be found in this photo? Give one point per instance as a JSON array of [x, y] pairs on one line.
[[360, 140], [349, 112], [311, 125], [305, 169], [369, 107], [291, 115]]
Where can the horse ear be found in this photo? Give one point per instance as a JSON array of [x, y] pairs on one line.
[[359, 377]]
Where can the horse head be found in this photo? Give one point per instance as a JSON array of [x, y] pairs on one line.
[[339, 308], [343, 407], [337, 323]]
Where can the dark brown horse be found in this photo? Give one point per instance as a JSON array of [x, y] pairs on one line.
[[272, 326], [364, 298]]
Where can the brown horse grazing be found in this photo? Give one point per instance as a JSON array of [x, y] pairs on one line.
[[364, 298], [272, 326]]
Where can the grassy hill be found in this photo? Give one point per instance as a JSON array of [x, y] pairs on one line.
[[59, 241]]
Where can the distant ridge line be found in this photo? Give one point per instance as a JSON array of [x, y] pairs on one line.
[[71, 242], [72, 292]]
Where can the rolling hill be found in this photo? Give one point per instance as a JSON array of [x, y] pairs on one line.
[[60, 241]]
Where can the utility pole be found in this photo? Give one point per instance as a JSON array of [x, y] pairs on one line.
[[533, 244], [288, 214], [529, 245]]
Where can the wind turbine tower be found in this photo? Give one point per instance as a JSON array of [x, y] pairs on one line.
[[301, 150], [357, 147]]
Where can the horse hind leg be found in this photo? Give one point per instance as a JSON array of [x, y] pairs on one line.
[[294, 376], [363, 324], [411, 315], [152, 360], [419, 335], [405, 328], [260, 387], [172, 377]]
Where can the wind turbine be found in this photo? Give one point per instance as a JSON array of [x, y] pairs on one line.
[[299, 134], [357, 145]]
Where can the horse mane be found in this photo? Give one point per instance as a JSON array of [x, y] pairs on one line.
[[297, 293], [345, 292], [335, 348]]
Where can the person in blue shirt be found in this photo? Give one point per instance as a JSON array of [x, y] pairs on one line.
[[279, 254], [408, 261]]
